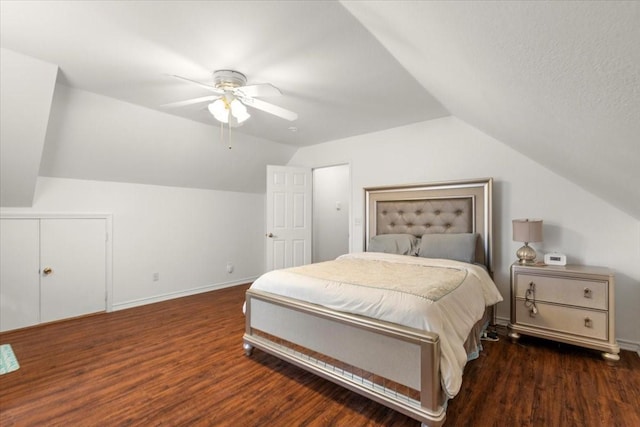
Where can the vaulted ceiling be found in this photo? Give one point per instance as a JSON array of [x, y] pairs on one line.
[[557, 81], [338, 78]]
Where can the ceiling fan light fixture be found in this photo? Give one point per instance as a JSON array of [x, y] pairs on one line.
[[219, 110], [232, 96], [239, 111]]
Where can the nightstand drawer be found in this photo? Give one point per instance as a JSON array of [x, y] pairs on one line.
[[563, 290], [570, 320]]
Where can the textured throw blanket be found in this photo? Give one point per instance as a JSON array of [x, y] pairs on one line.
[[419, 280]]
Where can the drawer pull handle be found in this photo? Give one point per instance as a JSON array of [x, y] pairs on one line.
[[588, 293], [588, 323], [530, 299]]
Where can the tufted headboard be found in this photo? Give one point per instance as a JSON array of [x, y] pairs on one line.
[[448, 207]]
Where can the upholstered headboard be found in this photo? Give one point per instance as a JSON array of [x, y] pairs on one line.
[[449, 207]]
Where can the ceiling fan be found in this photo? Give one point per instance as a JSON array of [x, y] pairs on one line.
[[231, 96]]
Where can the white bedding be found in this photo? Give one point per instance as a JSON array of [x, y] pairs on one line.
[[450, 310]]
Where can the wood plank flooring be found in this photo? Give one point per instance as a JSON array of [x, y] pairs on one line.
[[181, 363]]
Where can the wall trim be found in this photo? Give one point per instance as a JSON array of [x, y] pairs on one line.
[[629, 345], [179, 294]]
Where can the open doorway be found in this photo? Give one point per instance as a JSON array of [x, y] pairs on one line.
[[331, 196]]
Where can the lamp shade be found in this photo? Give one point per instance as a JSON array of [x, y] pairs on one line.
[[219, 110], [239, 111], [527, 230]]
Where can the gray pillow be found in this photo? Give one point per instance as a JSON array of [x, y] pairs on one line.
[[455, 246], [401, 244]]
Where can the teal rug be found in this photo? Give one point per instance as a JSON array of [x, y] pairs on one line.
[[8, 361]]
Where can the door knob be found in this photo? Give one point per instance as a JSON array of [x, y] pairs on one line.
[[47, 271], [269, 234]]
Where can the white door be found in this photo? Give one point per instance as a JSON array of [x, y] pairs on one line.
[[75, 252], [19, 281], [288, 217]]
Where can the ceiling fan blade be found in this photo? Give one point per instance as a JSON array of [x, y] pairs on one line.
[[269, 108], [206, 86], [191, 101], [259, 90]]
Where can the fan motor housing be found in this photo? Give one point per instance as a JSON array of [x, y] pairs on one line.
[[228, 79]]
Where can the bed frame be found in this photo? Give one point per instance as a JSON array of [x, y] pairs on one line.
[[394, 365]]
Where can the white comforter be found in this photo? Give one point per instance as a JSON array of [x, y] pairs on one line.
[[449, 310]]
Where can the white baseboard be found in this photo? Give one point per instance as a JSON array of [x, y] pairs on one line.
[[502, 321], [179, 294], [624, 344], [629, 345]]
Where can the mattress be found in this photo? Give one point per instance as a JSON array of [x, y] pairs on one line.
[[437, 295]]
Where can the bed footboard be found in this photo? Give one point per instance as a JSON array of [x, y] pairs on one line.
[[390, 364]]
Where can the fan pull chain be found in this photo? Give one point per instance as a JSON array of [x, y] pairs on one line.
[[228, 134]]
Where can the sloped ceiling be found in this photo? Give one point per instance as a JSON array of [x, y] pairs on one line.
[[117, 55], [27, 87], [557, 81], [338, 78]]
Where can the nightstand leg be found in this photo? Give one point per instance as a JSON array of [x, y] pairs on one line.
[[611, 357], [248, 348], [514, 336]]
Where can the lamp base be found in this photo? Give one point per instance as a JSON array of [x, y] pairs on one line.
[[526, 255]]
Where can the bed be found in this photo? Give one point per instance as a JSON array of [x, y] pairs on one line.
[[406, 349]]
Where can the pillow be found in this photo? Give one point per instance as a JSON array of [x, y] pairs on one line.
[[455, 246], [401, 244]]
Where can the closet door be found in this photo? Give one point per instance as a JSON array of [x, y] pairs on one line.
[[73, 267], [19, 281]]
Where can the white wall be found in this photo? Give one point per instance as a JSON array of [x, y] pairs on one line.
[[185, 235], [331, 197], [589, 230], [104, 155], [98, 138]]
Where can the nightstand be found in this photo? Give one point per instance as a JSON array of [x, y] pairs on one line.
[[573, 304]]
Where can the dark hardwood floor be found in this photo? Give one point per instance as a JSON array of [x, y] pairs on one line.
[[181, 362]]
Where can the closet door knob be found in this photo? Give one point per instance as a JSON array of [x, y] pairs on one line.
[[269, 234], [47, 271]]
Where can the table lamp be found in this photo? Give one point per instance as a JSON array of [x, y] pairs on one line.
[[527, 231]]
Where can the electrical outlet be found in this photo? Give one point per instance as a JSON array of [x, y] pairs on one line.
[[156, 277], [229, 268]]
